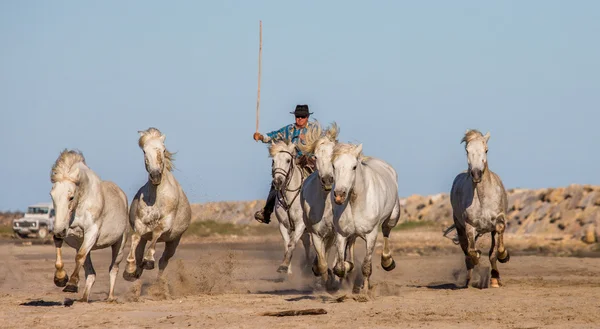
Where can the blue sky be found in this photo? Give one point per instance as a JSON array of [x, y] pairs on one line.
[[403, 78]]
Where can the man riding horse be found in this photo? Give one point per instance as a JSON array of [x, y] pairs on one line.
[[293, 133]]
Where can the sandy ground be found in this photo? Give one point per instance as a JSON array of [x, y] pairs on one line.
[[228, 283]]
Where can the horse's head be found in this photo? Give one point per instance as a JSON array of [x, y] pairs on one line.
[[476, 147], [283, 155], [65, 177], [321, 145], [346, 158], [156, 157]]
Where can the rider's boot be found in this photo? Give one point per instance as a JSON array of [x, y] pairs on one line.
[[264, 215]]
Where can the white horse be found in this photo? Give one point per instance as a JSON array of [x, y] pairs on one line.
[[159, 212], [316, 202], [90, 214], [479, 205], [287, 180], [365, 195]]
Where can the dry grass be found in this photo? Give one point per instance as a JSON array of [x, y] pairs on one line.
[[213, 228]]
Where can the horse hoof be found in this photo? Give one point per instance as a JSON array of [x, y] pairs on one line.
[[71, 288], [350, 267], [339, 271], [282, 269], [148, 264], [506, 259], [494, 283], [391, 267], [130, 276], [315, 271], [61, 282]]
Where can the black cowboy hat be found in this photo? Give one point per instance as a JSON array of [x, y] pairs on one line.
[[301, 110]]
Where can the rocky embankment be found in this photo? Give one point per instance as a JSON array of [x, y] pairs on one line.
[[571, 212]]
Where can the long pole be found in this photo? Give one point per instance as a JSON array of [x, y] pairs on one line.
[[259, 71]]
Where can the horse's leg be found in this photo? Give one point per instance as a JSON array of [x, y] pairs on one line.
[[503, 255], [320, 266], [117, 257], [60, 275], [90, 278], [349, 260], [495, 280], [464, 244], [89, 239], [387, 262], [367, 267], [286, 240], [148, 262], [341, 267], [131, 273], [296, 235], [473, 252], [170, 247], [306, 243]]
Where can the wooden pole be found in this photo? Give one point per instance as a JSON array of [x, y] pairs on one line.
[[259, 71]]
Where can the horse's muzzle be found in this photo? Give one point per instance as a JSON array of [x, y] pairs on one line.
[[155, 177], [476, 175], [339, 197], [278, 183], [327, 183]]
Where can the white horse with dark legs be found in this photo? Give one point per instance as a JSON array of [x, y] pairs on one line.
[[90, 214], [288, 180], [159, 212], [365, 196], [316, 202], [479, 205]]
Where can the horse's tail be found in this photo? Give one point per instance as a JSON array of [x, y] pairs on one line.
[[450, 229]]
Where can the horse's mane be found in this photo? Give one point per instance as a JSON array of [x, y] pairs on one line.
[[315, 136], [64, 163], [154, 133], [345, 148], [470, 135], [277, 147]]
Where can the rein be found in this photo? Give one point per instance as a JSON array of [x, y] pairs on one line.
[[281, 194]]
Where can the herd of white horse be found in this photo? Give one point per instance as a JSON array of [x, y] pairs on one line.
[[348, 196]]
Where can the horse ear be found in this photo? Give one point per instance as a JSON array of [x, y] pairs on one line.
[[162, 138], [141, 132], [487, 137], [358, 150], [291, 148]]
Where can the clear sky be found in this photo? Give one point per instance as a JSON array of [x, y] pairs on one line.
[[403, 78]]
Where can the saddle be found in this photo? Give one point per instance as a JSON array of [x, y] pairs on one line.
[[307, 164]]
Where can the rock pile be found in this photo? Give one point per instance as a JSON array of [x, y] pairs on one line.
[[565, 211]]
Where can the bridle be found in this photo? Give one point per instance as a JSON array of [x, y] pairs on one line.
[[281, 193]]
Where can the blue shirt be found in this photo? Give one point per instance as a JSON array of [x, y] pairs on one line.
[[289, 133]]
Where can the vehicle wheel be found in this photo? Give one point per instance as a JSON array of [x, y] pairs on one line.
[[42, 233]]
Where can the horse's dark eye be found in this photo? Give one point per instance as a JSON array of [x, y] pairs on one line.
[[354, 168], [288, 161], [71, 198]]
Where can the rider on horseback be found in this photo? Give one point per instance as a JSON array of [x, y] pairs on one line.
[[294, 133]]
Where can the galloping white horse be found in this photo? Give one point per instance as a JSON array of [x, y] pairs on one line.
[[315, 199], [160, 211], [90, 214], [479, 205], [365, 195], [287, 180]]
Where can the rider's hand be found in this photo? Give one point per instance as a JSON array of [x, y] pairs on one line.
[[258, 136]]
